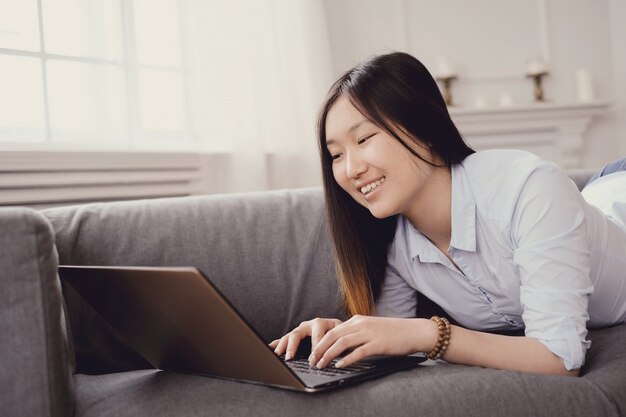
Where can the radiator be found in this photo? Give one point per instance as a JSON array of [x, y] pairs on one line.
[[44, 179]]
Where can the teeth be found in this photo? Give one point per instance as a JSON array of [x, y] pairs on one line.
[[369, 187]]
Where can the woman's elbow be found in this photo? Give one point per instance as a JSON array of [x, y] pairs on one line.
[[573, 372], [562, 370]]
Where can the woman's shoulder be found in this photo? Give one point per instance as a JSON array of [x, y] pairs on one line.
[[498, 177], [498, 159], [501, 167]]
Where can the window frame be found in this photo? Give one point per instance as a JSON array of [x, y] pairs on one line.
[[136, 137]]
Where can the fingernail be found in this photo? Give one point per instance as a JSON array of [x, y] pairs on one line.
[[339, 364], [312, 359], [288, 355], [320, 364]]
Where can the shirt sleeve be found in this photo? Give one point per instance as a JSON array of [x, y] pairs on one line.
[[552, 256], [397, 297]]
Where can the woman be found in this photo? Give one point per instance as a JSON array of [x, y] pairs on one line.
[[501, 240]]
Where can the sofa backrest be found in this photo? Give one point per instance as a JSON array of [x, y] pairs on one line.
[[267, 252]]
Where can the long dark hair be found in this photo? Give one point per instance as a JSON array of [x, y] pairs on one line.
[[394, 89]]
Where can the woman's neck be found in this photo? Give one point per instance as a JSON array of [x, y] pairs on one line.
[[431, 212]]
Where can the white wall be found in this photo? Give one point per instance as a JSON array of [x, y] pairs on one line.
[[617, 10], [490, 41]]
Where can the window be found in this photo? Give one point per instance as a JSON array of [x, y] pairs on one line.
[[108, 99], [93, 75]]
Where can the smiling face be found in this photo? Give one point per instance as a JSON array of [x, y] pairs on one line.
[[372, 166]]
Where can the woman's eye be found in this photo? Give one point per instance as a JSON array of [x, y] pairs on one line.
[[336, 156], [362, 140]]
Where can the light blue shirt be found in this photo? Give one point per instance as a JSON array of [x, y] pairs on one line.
[[531, 252]]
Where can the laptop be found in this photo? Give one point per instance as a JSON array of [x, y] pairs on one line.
[[179, 321]]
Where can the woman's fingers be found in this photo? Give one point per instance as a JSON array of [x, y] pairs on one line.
[[340, 345], [289, 343], [366, 336], [292, 344], [358, 354], [317, 331], [316, 335], [318, 350], [282, 345], [316, 328], [330, 338], [319, 327]]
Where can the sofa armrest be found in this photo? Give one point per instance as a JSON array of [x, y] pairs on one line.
[[35, 358]]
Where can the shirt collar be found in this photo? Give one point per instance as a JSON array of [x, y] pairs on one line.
[[463, 212], [418, 244]]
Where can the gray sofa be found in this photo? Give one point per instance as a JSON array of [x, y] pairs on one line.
[[269, 254]]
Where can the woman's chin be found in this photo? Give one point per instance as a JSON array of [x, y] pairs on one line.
[[376, 208], [381, 213]]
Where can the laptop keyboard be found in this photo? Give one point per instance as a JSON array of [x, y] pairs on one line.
[[302, 366]]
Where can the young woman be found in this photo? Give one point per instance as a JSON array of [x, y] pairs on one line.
[[500, 239]]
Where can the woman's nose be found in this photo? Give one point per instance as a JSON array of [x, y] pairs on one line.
[[355, 166]]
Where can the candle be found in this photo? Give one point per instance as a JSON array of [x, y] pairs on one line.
[[584, 86], [536, 66]]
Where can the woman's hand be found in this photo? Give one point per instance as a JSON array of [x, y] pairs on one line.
[[373, 336], [315, 328]]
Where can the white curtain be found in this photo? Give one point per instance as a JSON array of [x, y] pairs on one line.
[[258, 71]]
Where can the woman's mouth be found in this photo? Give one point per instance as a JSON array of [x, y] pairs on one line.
[[368, 189]]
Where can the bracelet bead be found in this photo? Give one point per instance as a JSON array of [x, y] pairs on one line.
[[443, 338]]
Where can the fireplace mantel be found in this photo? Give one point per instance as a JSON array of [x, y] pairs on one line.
[[554, 131]]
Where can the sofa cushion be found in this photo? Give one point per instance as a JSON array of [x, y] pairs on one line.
[[429, 390], [432, 389], [35, 357], [267, 252], [605, 364]]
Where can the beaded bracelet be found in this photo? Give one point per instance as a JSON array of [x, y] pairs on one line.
[[443, 338]]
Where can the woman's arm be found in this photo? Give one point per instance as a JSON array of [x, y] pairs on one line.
[[516, 353], [369, 335], [553, 258]]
